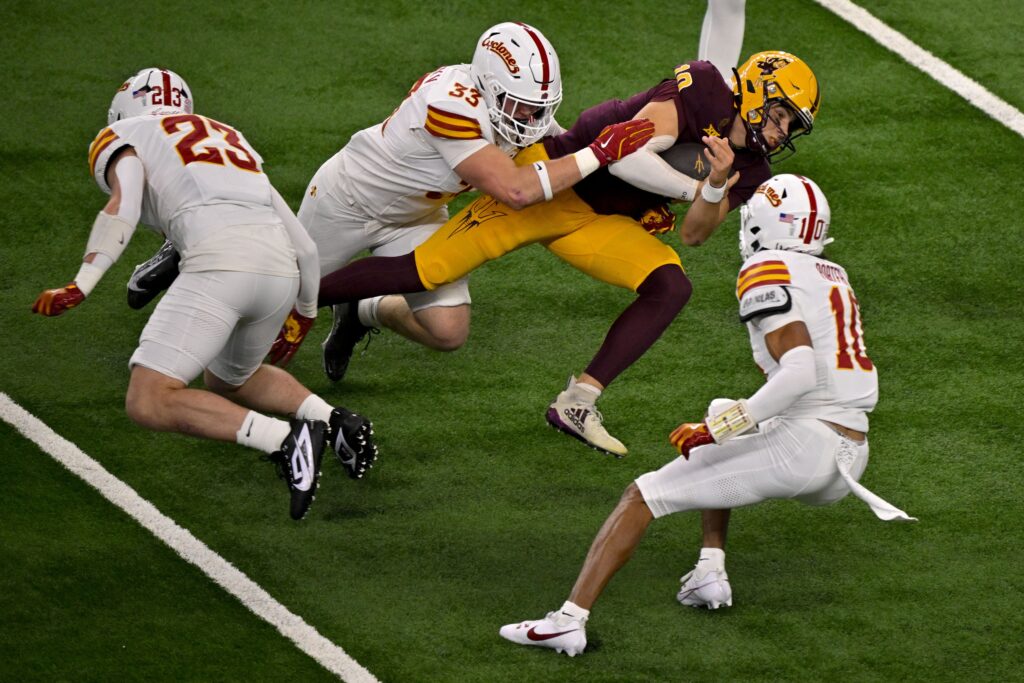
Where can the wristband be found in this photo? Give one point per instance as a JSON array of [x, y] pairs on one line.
[[712, 194], [586, 161], [730, 422], [545, 180]]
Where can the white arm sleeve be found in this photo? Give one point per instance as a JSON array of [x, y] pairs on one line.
[[111, 233], [648, 171], [796, 376], [306, 255], [131, 177]]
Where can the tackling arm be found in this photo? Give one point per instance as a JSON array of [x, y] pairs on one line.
[[493, 173]]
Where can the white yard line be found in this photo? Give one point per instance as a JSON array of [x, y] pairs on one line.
[[948, 76], [191, 549]]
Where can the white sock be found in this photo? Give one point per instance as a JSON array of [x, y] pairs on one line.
[[721, 35], [262, 432], [367, 311], [712, 559], [587, 393], [314, 408], [571, 612]]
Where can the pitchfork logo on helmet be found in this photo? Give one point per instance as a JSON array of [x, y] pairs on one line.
[[773, 79], [787, 212], [517, 70], [151, 91]]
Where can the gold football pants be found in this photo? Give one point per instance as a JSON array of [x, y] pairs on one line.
[[613, 249]]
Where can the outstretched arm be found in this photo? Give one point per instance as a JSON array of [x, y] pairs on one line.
[[111, 231]]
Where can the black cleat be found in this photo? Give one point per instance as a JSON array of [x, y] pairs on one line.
[[298, 463], [154, 276], [352, 440], [346, 332]]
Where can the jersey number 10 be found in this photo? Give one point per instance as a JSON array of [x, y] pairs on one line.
[[853, 349]]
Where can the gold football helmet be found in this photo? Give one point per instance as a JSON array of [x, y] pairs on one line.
[[770, 79]]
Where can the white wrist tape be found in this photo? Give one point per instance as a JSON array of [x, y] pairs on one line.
[[712, 194], [545, 180], [109, 236], [586, 161], [90, 273], [730, 422]]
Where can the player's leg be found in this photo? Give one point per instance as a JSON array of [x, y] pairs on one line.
[[721, 35], [238, 373], [616, 250], [564, 629]]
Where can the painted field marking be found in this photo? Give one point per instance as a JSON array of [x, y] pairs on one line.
[[191, 549]]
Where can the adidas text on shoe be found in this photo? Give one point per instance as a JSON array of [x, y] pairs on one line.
[[346, 332], [567, 636], [708, 588], [351, 437], [153, 276], [298, 463], [583, 421]]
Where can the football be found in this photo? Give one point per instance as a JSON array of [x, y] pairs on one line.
[[689, 158]]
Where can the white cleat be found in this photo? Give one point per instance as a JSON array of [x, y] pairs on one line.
[[582, 420], [705, 588], [555, 631]]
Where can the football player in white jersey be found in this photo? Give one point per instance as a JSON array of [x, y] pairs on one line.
[[803, 435], [387, 189], [245, 261]]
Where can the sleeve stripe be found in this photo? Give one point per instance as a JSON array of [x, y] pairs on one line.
[[448, 117], [762, 264], [99, 147], [760, 282], [455, 130]]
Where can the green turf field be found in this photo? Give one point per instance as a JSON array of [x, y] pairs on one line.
[[477, 514]]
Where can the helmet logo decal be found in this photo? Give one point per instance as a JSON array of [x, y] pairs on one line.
[[498, 48], [770, 194], [772, 64]]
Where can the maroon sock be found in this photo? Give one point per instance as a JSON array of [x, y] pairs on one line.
[[659, 299], [369, 277]]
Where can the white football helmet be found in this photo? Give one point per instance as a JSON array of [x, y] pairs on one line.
[[151, 91], [517, 71], [786, 212]]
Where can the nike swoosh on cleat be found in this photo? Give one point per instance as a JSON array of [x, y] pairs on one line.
[[537, 637]]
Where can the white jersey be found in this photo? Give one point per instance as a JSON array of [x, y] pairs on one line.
[[777, 287], [401, 171], [205, 191]]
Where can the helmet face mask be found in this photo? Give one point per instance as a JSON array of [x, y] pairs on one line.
[[151, 91], [787, 212], [518, 73], [766, 81]]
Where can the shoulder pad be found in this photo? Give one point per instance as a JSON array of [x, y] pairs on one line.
[[103, 149], [765, 300], [762, 270]]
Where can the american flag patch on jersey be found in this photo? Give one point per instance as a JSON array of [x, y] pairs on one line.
[[760, 275], [102, 141], [444, 124]]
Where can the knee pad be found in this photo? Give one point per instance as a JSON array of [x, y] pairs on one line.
[[668, 284]]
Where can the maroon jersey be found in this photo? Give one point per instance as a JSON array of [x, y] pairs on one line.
[[704, 105]]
